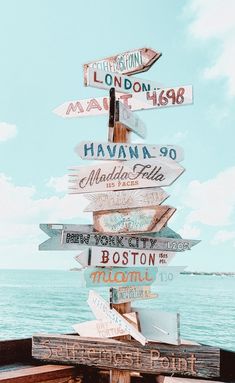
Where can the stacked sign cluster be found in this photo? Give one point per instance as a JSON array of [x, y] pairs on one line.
[[129, 246]]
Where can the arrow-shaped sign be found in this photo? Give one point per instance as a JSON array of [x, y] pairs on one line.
[[75, 237], [89, 150], [130, 293], [130, 62], [165, 97], [125, 199], [102, 311], [137, 220], [120, 276], [127, 175], [130, 120], [109, 256]]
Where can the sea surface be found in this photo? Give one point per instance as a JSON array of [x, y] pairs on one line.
[[33, 301]]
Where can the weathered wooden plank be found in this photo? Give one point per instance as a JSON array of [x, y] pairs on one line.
[[107, 256], [131, 276], [90, 150], [162, 98], [15, 350], [126, 198], [130, 120], [120, 176], [75, 237], [101, 309], [134, 220], [154, 358], [129, 62], [130, 293]]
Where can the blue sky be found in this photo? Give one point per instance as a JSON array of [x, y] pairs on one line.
[[43, 46]]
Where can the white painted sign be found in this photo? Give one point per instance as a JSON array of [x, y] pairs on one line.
[[105, 80], [130, 62], [89, 150], [103, 329], [110, 256], [130, 120], [126, 198], [165, 97], [127, 175], [102, 311], [130, 293]]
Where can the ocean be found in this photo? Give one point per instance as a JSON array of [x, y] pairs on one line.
[[33, 301]]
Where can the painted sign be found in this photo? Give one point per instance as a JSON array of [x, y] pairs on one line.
[[75, 237], [130, 120], [159, 326], [130, 62], [103, 328], [137, 220], [162, 98], [89, 150], [130, 293], [108, 277], [126, 175], [126, 198], [102, 311], [131, 276], [155, 358], [109, 256], [105, 80]]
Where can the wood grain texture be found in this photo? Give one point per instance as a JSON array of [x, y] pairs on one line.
[[155, 358]]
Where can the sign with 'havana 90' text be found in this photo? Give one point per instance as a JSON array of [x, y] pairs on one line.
[[129, 175]]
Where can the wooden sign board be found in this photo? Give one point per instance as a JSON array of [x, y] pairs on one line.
[[125, 198], [111, 256], [102, 311], [130, 62], [105, 80], [89, 150], [177, 96], [75, 237], [159, 326], [127, 175], [102, 328], [196, 361], [130, 120], [130, 293], [134, 220], [122, 276]]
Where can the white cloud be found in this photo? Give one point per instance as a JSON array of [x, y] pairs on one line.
[[59, 184], [223, 236], [214, 20], [212, 202], [7, 131], [190, 231]]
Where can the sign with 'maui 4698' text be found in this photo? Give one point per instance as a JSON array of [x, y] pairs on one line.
[[129, 175]]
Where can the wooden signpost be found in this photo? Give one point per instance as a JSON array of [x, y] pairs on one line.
[[165, 97], [130, 293], [108, 256], [125, 198], [129, 175], [130, 62], [90, 150], [130, 120], [137, 220]]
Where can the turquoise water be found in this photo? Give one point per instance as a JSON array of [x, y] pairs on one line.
[[52, 301]]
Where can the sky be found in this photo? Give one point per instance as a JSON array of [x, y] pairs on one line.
[[43, 47]]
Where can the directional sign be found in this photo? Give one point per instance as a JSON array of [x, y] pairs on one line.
[[137, 220], [120, 276], [130, 293], [89, 150], [159, 326], [105, 80], [130, 120], [75, 237], [130, 62], [127, 175], [103, 328], [125, 199], [102, 311], [162, 98], [109, 256]]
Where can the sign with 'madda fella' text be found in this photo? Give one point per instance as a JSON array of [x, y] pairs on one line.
[[129, 175]]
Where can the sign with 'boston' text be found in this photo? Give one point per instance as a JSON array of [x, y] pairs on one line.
[[129, 175]]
